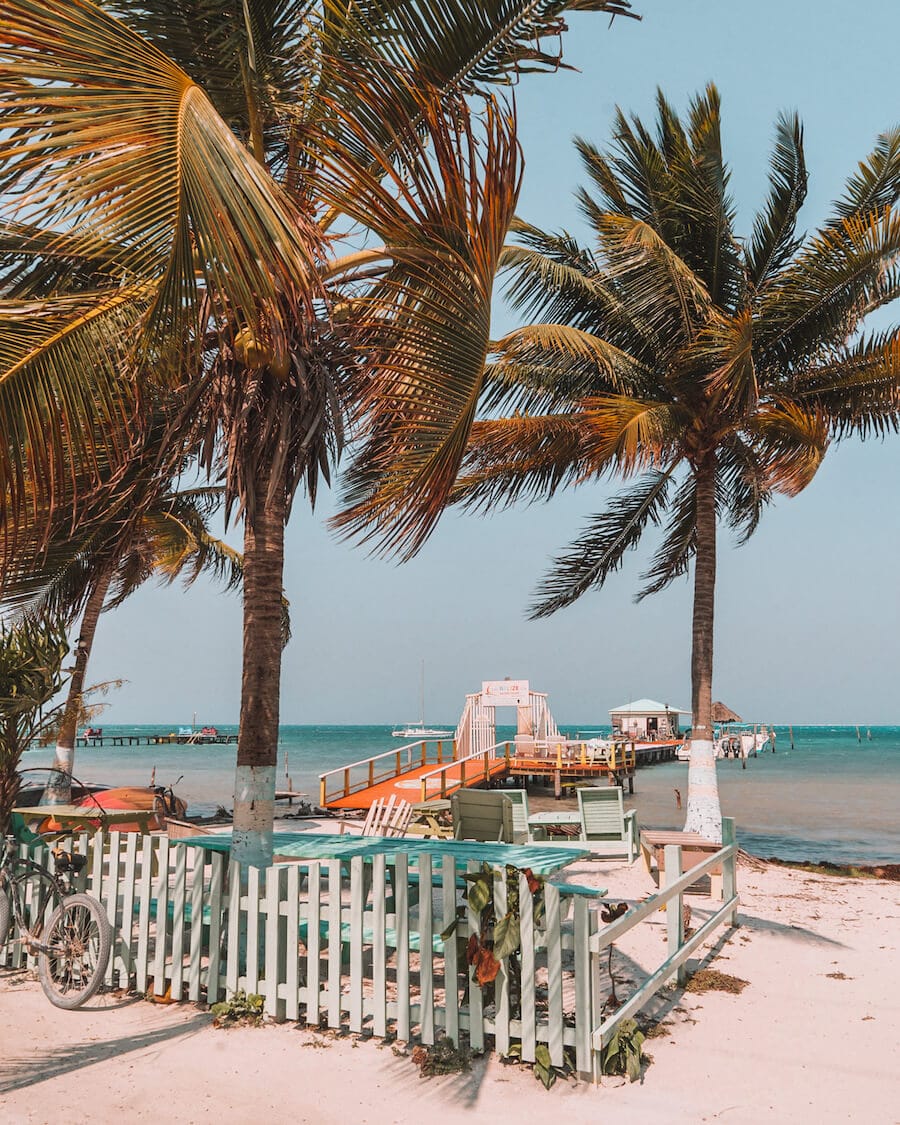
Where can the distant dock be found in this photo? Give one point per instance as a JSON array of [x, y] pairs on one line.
[[151, 739]]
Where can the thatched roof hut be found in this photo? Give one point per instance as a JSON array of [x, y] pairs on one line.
[[723, 714]]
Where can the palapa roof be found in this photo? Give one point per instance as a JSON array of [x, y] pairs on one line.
[[647, 707], [723, 714]]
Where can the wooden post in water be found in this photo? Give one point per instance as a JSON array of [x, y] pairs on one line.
[[791, 732]]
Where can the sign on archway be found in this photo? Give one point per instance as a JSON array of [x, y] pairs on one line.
[[504, 693]]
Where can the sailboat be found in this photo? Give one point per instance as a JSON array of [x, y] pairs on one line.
[[419, 730]]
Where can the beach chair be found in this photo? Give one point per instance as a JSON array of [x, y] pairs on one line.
[[604, 821], [481, 815], [521, 831], [389, 817]]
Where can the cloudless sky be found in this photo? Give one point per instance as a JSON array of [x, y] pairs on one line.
[[807, 630]]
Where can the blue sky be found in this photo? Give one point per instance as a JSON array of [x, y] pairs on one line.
[[808, 628]]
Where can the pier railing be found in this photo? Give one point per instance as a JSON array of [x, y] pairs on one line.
[[355, 945], [353, 778], [463, 771]]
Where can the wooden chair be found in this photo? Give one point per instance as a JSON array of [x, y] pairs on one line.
[[389, 817], [521, 831], [604, 820], [481, 815]]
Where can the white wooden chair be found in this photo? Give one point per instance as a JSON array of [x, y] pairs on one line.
[[604, 821], [389, 817]]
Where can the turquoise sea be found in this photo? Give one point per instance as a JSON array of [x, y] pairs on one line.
[[830, 797]]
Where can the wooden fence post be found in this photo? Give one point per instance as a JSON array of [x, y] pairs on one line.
[[729, 869], [674, 911]]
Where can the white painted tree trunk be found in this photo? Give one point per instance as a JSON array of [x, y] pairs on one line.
[[254, 809], [704, 814], [58, 790]]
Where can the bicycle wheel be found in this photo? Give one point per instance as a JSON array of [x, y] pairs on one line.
[[75, 951], [28, 899]]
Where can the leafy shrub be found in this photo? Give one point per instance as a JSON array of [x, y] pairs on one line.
[[242, 1008], [622, 1054]]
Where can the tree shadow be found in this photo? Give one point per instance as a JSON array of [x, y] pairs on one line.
[[20, 1072]]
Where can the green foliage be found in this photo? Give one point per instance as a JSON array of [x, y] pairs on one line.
[[31, 674], [542, 1067], [242, 1009], [498, 937], [622, 1054]]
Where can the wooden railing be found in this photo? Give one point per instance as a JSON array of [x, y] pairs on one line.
[[679, 948], [356, 945], [470, 770], [357, 776]]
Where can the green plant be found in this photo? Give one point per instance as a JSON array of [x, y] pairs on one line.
[[243, 1008], [542, 1067], [497, 937], [622, 1054]]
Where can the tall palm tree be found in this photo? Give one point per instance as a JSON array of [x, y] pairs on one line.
[[192, 136], [714, 369]]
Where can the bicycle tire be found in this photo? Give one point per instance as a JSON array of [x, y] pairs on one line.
[[75, 951]]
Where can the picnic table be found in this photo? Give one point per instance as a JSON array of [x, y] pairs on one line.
[[291, 846], [563, 818], [75, 817]]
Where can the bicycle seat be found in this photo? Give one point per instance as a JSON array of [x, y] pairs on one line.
[[69, 861]]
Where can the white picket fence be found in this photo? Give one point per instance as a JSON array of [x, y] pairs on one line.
[[358, 945]]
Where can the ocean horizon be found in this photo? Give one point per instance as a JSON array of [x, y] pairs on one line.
[[833, 796]]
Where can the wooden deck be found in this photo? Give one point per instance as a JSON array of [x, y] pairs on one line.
[[402, 773], [408, 786]]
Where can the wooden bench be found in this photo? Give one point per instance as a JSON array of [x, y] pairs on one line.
[[694, 849]]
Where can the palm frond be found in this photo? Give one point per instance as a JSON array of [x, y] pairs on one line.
[[839, 276], [679, 542], [742, 485], [875, 185], [145, 163], [774, 240], [601, 548], [441, 202], [67, 398], [510, 459], [858, 387], [462, 47], [794, 441]]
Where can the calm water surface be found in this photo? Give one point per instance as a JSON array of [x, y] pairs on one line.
[[830, 797]]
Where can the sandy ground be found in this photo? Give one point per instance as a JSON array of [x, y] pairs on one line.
[[813, 1038]]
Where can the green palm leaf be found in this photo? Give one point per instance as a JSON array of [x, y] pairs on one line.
[[601, 548]]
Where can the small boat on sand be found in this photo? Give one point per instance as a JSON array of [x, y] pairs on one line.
[[156, 798]]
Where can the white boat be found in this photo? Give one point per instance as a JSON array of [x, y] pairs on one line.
[[735, 740], [416, 730], [419, 730]]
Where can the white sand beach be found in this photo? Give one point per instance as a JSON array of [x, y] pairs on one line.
[[811, 1038]]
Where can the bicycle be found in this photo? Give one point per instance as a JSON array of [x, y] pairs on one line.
[[67, 929]]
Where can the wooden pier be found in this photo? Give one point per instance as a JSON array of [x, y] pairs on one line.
[[424, 771], [195, 739]]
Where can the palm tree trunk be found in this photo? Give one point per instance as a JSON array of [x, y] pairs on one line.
[[703, 812], [257, 757], [58, 790]]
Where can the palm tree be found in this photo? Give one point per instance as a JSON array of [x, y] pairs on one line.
[[201, 143], [157, 533], [713, 369]]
